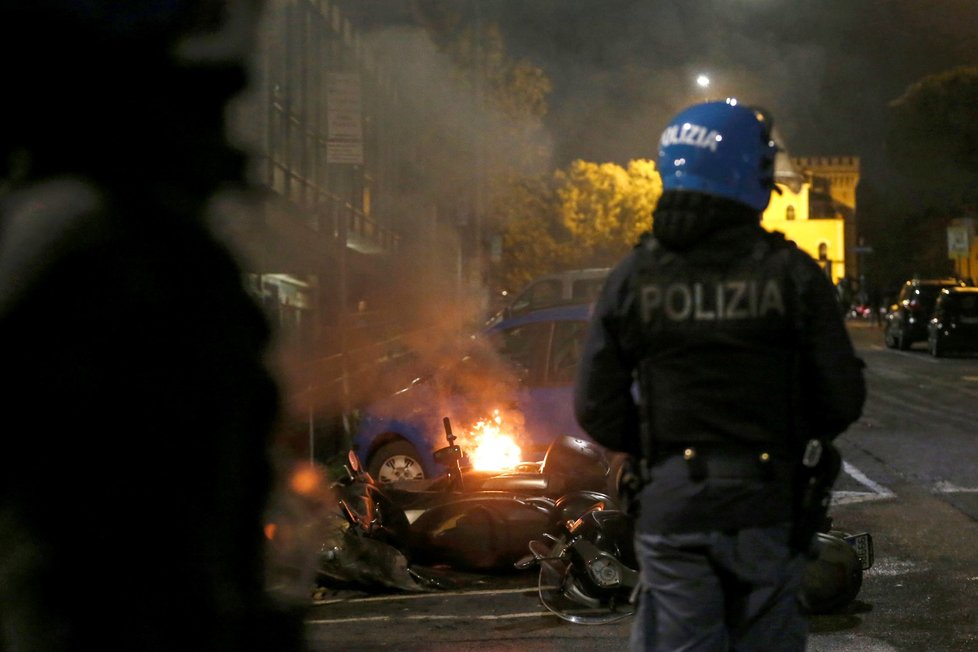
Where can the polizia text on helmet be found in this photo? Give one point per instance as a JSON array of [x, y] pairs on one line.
[[690, 134]]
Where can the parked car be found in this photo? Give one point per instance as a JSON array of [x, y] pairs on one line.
[[523, 366], [569, 286], [954, 326], [907, 319]]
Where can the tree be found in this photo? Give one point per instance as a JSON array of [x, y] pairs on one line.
[[932, 138], [588, 215], [605, 207], [524, 208], [932, 146]]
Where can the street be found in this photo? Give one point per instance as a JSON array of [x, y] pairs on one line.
[[909, 480]]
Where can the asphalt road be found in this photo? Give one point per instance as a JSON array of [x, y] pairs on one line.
[[909, 479]]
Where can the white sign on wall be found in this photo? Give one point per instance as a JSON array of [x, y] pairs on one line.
[[344, 119], [958, 241]]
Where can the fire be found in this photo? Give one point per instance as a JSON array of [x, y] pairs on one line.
[[491, 449]]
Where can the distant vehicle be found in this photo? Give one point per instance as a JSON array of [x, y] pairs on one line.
[[570, 286], [954, 326], [907, 319], [525, 365]]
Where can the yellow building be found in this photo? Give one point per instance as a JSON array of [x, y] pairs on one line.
[[816, 209]]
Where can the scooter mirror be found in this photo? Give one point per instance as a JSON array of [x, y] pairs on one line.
[[354, 462]]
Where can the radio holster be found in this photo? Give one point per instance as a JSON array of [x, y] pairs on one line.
[[815, 474]]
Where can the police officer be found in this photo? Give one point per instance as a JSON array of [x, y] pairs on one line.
[[741, 357]]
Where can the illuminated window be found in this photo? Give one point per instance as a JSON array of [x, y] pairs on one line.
[[823, 251]]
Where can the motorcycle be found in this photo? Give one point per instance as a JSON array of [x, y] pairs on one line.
[[566, 509], [472, 520], [589, 573]]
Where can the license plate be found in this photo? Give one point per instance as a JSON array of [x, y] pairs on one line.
[[863, 544]]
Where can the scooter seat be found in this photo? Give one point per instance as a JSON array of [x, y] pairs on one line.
[[536, 483]]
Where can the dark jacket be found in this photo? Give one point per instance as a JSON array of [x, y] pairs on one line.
[[734, 339], [139, 413]]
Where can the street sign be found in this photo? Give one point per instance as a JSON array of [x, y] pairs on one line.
[[349, 152], [958, 241], [344, 119]]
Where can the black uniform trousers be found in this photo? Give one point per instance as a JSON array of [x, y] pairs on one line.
[[715, 591]]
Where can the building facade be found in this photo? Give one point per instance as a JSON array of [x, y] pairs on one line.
[[347, 236], [815, 206]]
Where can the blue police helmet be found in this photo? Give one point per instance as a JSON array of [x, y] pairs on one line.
[[720, 148]]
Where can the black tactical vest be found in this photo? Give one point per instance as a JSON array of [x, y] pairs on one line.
[[717, 346]]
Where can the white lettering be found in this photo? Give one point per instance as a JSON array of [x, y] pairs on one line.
[[736, 308], [700, 313], [690, 134], [680, 291], [651, 300], [771, 299], [731, 300]]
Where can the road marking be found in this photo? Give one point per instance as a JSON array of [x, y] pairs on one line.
[[862, 479], [432, 594], [828, 642], [465, 617], [945, 487], [850, 497], [877, 491], [894, 567]]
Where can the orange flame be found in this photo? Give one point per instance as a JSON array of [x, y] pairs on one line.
[[492, 449]]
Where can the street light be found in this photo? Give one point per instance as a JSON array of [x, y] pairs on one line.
[[703, 81]]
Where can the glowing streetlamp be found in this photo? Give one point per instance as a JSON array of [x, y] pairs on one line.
[[703, 81]]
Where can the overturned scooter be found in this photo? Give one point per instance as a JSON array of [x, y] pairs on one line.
[[566, 509], [466, 520], [589, 573]]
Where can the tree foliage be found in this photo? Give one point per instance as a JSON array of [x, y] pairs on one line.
[[932, 137], [587, 215], [605, 207], [932, 146]]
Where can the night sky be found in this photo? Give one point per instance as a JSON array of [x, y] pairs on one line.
[[826, 69]]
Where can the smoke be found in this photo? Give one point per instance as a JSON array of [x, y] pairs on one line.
[[460, 143], [465, 136], [825, 70]]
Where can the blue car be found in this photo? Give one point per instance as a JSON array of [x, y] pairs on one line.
[[520, 371]]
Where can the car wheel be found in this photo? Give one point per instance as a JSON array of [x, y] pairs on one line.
[[889, 339], [395, 461]]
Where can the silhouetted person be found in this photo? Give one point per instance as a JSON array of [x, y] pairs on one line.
[[137, 407]]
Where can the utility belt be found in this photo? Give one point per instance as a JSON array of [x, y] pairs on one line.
[[705, 461]]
